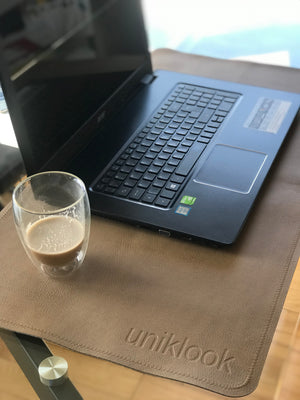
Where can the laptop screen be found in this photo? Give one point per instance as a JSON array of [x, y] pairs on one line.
[[66, 60]]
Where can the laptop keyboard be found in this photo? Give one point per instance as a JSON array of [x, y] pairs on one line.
[[154, 167]]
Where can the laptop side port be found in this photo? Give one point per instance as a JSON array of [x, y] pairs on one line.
[[163, 232]]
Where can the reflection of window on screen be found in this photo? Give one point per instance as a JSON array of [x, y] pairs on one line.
[[265, 31], [29, 27], [54, 17]]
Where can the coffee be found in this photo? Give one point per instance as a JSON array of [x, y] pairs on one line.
[[56, 240]]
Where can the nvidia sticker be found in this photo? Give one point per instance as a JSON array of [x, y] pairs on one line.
[[188, 200]]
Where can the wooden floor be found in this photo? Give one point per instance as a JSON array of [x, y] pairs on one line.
[[101, 380]]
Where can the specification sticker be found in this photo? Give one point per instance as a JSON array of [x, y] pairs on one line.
[[267, 115]]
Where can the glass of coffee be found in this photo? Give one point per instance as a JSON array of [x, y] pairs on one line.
[[52, 217]]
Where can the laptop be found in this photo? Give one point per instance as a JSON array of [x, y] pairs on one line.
[[180, 154]]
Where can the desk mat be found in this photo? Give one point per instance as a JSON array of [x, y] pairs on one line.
[[176, 309]]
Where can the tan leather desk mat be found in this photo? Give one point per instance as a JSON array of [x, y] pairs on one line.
[[172, 308]]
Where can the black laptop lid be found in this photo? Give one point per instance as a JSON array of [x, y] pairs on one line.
[[66, 66]]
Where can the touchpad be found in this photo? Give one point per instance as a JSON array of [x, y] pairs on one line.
[[231, 168]]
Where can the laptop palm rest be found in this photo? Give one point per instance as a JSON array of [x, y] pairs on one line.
[[231, 168]]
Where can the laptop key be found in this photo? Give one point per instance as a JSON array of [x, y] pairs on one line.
[[174, 162], [190, 158], [212, 106], [196, 113], [189, 108], [203, 140], [135, 175], [207, 135], [136, 156], [155, 149], [186, 125], [153, 169], [169, 168], [149, 198], [114, 167], [213, 124], [225, 106], [199, 125], [177, 138], [100, 187], [120, 176], [183, 149], [146, 161], [162, 202], [125, 168], [230, 99], [130, 183], [210, 129], [142, 149], [159, 162], [131, 162], [175, 107], [172, 143], [124, 156], [172, 186], [205, 116], [136, 193], [151, 137], [168, 149], [140, 168], [114, 183], [179, 156], [194, 131], [220, 113], [149, 176], [123, 191], [159, 183], [153, 190], [142, 134], [177, 178], [150, 155], [168, 194], [109, 190], [202, 103], [155, 131], [161, 142], [188, 141], [144, 184], [146, 143], [171, 128], [163, 176], [110, 174], [164, 156], [105, 179]]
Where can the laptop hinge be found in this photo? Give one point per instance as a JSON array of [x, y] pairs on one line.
[[147, 79]]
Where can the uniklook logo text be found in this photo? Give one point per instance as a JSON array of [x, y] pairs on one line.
[[168, 345]]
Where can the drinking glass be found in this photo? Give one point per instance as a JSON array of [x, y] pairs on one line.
[[52, 216]]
